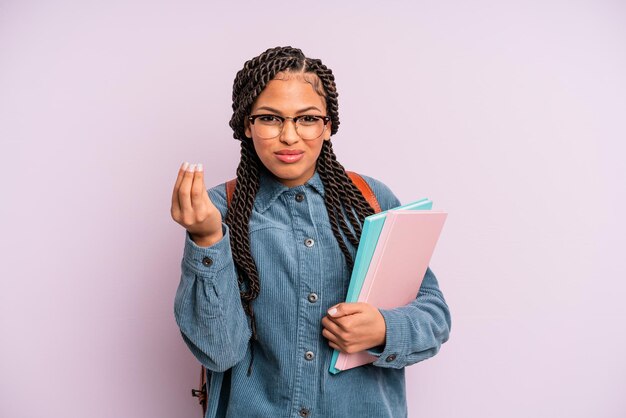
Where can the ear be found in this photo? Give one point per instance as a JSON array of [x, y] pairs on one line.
[[328, 130], [247, 130]]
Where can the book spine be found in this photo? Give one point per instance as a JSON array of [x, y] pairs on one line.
[[380, 248]]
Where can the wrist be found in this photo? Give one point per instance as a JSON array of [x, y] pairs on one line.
[[206, 240], [382, 333]]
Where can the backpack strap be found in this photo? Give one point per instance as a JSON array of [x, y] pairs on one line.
[[358, 181], [365, 190], [230, 190], [202, 393]]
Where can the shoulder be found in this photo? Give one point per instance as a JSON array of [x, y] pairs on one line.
[[217, 194], [386, 198]]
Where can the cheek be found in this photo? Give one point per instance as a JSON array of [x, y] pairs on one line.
[[317, 149], [262, 151], [259, 147]]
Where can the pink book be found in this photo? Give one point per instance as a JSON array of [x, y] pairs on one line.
[[398, 265]]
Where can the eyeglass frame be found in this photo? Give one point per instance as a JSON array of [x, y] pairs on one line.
[[326, 119]]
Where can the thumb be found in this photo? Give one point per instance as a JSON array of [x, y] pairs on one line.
[[344, 309]]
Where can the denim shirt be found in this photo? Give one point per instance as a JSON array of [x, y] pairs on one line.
[[302, 273]]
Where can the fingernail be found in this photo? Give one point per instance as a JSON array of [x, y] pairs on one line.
[[184, 166], [332, 311], [199, 167], [191, 168]]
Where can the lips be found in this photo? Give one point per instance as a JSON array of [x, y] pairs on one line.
[[289, 156], [289, 152]]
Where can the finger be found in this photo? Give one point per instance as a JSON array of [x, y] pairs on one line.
[[330, 336], [344, 324], [335, 346], [184, 192], [197, 188], [179, 180], [331, 327], [343, 309]]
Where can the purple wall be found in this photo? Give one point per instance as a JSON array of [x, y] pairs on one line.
[[509, 115]]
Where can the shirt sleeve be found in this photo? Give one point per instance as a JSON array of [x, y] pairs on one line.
[[416, 331], [207, 305]]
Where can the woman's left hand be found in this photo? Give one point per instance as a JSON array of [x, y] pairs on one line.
[[354, 327]]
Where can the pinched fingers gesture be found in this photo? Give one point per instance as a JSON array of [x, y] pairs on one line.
[[192, 208]]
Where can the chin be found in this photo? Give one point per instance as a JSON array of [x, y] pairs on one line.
[[291, 177]]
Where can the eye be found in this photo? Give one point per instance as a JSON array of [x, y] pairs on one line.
[[308, 119], [269, 120]]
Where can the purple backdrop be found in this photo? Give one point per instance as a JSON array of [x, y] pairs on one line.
[[509, 115]]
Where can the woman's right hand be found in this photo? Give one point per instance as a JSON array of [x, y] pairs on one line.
[[192, 208]]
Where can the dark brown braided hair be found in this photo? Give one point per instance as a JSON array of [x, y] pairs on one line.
[[345, 204]]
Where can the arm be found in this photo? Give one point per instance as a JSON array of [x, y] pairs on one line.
[[207, 306], [416, 331], [400, 336]]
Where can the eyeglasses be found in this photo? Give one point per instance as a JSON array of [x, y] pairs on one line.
[[308, 127]]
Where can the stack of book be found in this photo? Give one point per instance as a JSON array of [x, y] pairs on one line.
[[393, 254]]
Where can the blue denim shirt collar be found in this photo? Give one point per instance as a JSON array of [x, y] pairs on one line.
[[270, 189]]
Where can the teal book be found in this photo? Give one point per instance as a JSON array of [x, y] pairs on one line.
[[372, 225]]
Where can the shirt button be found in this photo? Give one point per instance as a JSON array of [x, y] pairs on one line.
[[207, 261], [390, 358], [309, 242], [312, 297], [299, 197], [309, 355], [304, 412]]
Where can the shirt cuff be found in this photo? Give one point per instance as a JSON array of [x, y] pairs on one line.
[[390, 355], [206, 261]]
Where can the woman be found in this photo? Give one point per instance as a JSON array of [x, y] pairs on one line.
[[263, 280]]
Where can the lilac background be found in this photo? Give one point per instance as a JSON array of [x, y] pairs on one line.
[[509, 115]]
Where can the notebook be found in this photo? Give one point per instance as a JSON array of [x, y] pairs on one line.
[[372, 226], [398, 264]]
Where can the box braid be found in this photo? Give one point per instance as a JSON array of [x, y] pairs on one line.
[[342, 197], [345, 204]]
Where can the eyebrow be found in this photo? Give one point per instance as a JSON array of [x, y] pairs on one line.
[[271, 109]]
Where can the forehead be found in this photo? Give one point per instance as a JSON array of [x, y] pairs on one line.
[[289, 95]]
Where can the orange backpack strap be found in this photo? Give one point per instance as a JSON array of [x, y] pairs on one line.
[[230, 190], [365, 189], [358, 181]]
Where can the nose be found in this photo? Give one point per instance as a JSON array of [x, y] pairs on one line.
[[289, 135]]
